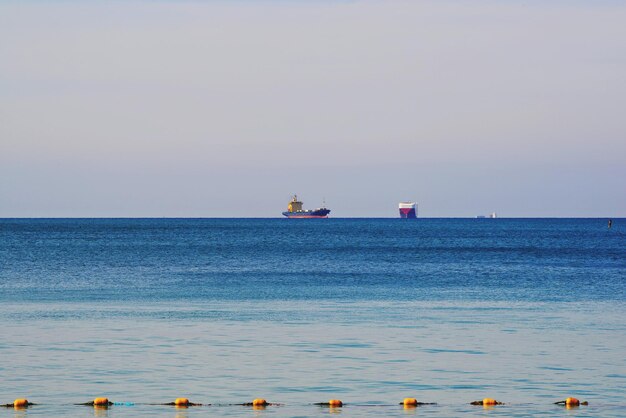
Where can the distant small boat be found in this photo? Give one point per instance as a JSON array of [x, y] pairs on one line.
[[294, 210], [408, 210]]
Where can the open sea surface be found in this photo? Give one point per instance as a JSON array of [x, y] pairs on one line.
[[369, 311]]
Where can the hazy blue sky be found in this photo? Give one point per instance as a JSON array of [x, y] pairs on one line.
[[226, 108]]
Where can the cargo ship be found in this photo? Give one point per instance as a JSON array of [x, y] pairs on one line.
[[294, 210], [408, 210]]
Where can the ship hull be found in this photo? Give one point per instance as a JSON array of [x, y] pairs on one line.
[[308, 214], [408, 210], [408, 213]]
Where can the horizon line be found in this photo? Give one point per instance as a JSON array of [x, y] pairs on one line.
[[353, 217]]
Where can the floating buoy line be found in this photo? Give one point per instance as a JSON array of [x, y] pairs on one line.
[[261, 403]]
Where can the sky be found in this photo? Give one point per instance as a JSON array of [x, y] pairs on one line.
[[227, 108]]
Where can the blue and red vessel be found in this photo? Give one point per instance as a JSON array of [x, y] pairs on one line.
[[294, 210], [408, 210]]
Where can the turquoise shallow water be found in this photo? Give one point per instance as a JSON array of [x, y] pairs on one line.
[[221, 311]]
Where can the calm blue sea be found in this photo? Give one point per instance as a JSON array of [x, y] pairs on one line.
[[369, 311]]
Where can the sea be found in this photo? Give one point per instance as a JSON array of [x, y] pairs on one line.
[[301, 311]]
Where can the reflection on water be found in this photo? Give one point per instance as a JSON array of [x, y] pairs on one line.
[[100, 411]]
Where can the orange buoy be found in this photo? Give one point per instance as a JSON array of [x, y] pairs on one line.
[[20, 403], [335, 403], [486, 402], [101, 402], [409, 402], [572, 402], [259, 402], [181, 402]]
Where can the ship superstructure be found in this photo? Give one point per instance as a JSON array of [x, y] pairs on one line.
[[294, 210], [408, 210]]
